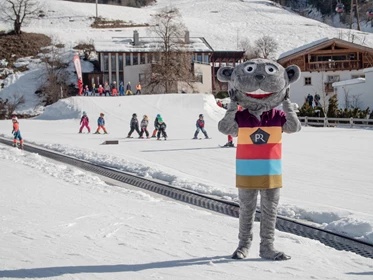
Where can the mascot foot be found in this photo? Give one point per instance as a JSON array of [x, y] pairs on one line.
[[274, 255], [240, 253]]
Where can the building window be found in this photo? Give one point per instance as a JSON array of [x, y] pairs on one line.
[[307, 81], [206, 59], [113, 62], [106, 62], [128, 59], [135, 59], [333, 78], [120, 61], [358, 76], [142, 58], [199, 58], [198, 77]]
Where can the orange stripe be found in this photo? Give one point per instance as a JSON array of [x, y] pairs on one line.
[[265, 151], [244, 133], [259, 182]]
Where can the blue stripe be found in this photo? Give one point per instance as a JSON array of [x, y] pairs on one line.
[[258, 167]]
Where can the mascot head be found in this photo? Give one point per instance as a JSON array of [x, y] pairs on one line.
[[258, 84]]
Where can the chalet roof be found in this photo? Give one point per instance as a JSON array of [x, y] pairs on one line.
[[318, 45], [147, 44]]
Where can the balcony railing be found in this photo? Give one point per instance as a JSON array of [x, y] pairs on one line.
[[333, 65]]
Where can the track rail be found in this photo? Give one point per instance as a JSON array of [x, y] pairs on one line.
[[229, 208]]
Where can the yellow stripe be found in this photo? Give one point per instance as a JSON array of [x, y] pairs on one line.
[[244, 133], [259, 182]]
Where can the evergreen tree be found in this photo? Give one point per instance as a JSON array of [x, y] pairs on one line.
[[333, 107]]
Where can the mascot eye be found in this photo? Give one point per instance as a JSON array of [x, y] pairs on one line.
[[251, 68], [270, 69]]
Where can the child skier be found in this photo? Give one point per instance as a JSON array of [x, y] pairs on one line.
[[101, 124], [84, 121], [144, 127], [16, 133], [134, 125], [161, 129], [200, 125], [156, 126]]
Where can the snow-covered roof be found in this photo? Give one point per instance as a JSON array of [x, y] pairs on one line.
[[349, 82], [147, 44], [304, 47]]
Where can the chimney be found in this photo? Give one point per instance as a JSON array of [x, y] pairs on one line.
[[186, 39], [135, 38]]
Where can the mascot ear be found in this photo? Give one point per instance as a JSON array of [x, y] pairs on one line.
[[224, 74], [293, 72]]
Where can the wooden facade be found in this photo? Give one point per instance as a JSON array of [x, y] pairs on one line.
[[223, 58], [331, 55]]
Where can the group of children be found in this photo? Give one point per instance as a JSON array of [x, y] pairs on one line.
[[142, 127], [159, 126]]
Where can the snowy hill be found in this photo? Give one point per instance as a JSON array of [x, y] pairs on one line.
[[223, 23]]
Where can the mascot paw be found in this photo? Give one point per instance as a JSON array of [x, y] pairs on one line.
[[233, 95], [240, 253]]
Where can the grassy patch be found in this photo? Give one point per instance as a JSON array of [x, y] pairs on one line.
[[104, 23], [13, 47]]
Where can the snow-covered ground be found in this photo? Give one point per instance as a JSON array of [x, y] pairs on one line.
[[327, 178], [58, 222], [61, 223]]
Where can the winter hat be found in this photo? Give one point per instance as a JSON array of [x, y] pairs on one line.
[[201, 115], [160, 120], [84, 113], [145, 116], [134, 115], [158, 116], [14, 118]]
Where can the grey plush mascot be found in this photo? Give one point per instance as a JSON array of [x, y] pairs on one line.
[[259, 86]]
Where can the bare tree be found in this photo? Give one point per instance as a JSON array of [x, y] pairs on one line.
[[15, 101], [356, 100], [265, 47], [54, 82], [346, 97], [17, 11], [172, 61]]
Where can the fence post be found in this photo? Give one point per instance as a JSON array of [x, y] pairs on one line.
[[351, 122], [305, 121], [325, 121]]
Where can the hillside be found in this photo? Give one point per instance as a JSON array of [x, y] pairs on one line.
[[224, 25]]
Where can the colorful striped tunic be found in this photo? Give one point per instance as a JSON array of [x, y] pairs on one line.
[[259, 149]]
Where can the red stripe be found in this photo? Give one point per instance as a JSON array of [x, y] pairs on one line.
[[266, 151]]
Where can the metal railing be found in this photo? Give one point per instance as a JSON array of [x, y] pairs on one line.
[[333, 122]]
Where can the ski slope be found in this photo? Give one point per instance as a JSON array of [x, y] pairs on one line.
[[326, 171], [60, 223]]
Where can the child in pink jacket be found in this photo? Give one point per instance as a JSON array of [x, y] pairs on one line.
[[84, 121]]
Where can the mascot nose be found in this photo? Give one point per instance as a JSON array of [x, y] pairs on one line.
[[260, 77]]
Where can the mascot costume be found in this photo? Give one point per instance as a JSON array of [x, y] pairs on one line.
[[259, 86]]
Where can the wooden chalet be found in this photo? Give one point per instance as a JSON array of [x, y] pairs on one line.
[[329, 55]]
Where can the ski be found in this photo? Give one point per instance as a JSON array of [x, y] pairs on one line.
[[225, 146]]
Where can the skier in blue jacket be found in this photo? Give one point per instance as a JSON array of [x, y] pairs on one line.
[[200, 125]]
